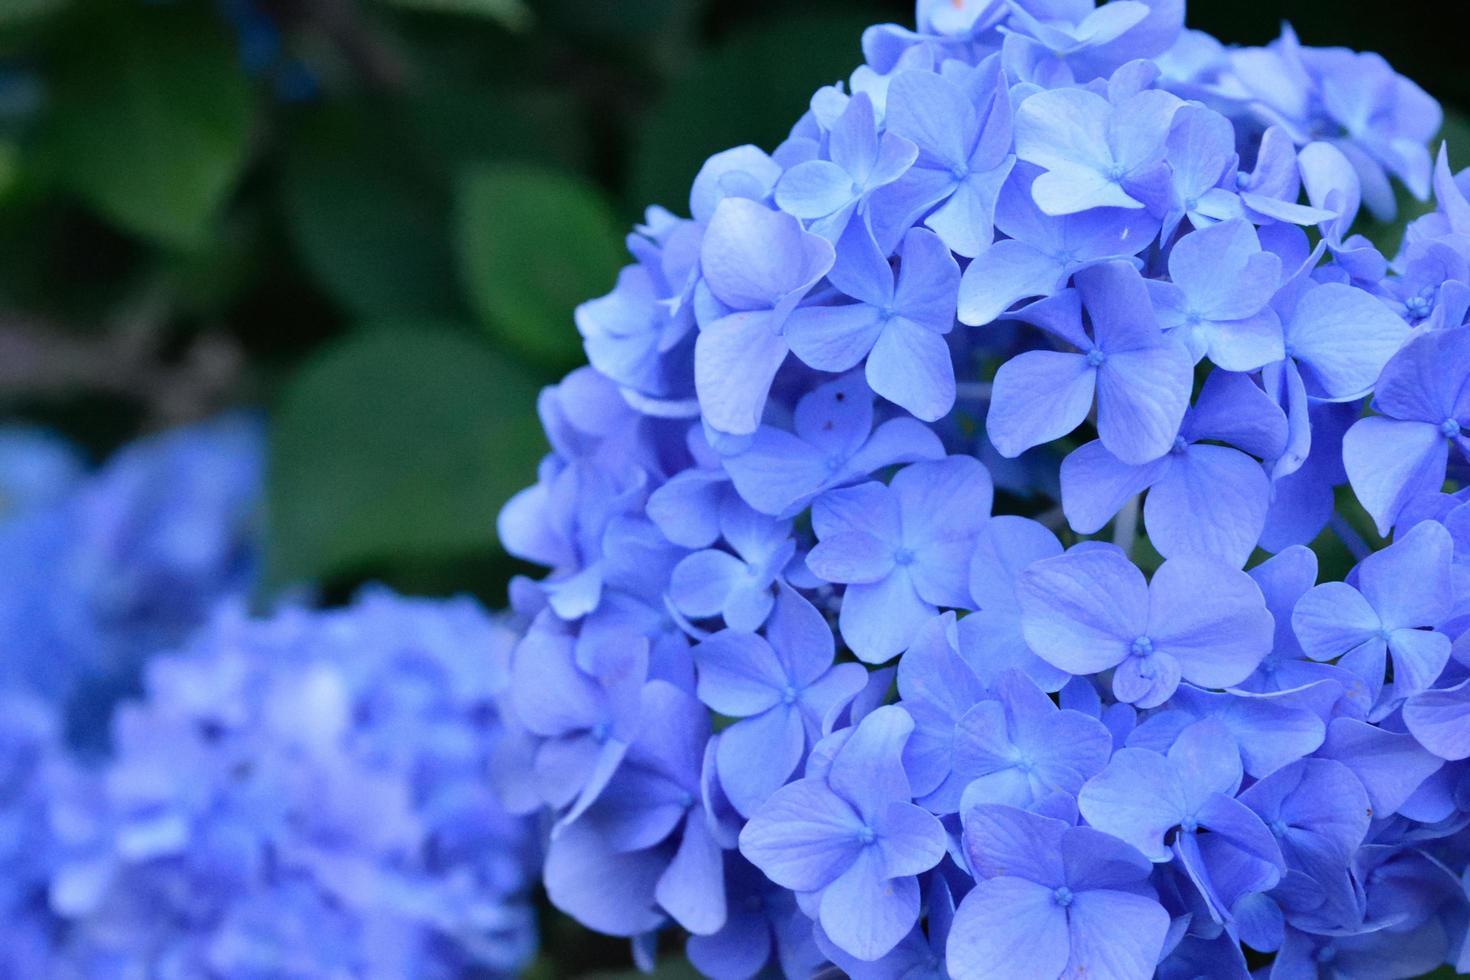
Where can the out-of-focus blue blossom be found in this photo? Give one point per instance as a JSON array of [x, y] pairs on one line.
[[127, 560], [33, 767], [303, 795], [1380, 120], [36, 469]]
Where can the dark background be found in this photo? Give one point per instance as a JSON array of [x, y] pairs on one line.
[[374, 217]]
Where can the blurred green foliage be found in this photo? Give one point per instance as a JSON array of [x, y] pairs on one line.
[[375, 217]]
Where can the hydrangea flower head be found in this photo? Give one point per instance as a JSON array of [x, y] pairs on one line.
[[960, 591], [100, 570], [230, 834]]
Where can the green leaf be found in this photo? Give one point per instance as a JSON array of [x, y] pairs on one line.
[[616, 20], [667, 969], [749, 90], [17, 11], [402, 441], [369, 224], [457, 123], [532, 245], [150, 120], [514, 14]]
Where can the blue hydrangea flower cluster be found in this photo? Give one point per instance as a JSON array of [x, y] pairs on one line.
[[33, 767], [100, 570], [298, 796], [930, 590]]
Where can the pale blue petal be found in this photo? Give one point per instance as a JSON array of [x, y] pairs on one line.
[[1141, 398], [1096, 484], [866, 914], [867, 771], [833, 338], [758, 754], [735, 360], [814, 189], [1440, 720], [1136, 799], [1001, 276], [910, 366], [1115, 936], [1211, 617], [1005, 929], [803, 837], [1212, 501], [1004, 548], [1390, 463], [880, 620], [1408, 583], [1040, 396], [739, 674], [692, 888], [1082, 611], [1332, 619]]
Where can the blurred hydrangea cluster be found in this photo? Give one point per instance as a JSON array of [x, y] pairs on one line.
[[100, 570], [302, 795], [930, 590]]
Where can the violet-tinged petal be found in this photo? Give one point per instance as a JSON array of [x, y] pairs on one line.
[[803, 837], [1211, 617], [1082, 611], [1390, 462], [1006, 928], [865, 913], [1039, 396], [1440, 720]]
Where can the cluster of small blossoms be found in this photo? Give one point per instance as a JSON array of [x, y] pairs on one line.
[[299, 796], [100, 570], [33, 763], [302, 795], [930, 587]]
